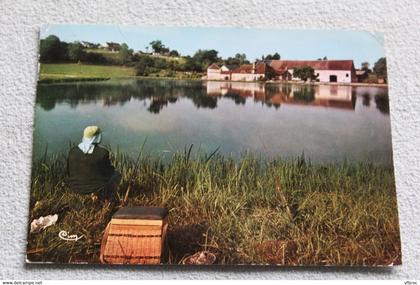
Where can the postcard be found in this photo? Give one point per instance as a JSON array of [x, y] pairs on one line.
[[200, 146]]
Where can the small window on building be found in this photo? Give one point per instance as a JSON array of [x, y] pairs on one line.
[[347, 75]]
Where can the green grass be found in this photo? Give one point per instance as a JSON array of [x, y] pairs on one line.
[[57, 71], [71, 72], [246, 211], [168, 74]]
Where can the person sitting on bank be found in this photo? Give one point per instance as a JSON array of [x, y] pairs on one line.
[[89, 167]]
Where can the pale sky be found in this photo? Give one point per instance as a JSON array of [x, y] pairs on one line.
[[290, 44]]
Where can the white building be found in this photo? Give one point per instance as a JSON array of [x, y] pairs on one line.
[[246, 72], [215, 72], [335, 71], [340, 71]]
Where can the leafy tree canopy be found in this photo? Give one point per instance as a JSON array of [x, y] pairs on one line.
[[270, 73], [305, 73], [157, 45], [275, 56], [76, 52], [143, 65], [174, 53], [365, 66], [204, 58], [380, 68], [125, 53], [237, 60], [50, 49]]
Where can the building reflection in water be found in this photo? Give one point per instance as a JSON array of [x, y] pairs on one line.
[[335, 96], [158, 95]]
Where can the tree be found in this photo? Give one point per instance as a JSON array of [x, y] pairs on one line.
[[174, 53], [241, 58], [270, 73], [205, 57], [125, 54], [93, 57], [191, 64], [275, 56], [380, 68], [237, 60], [51, 49], [157, 46], [76, 52], [143, 65], [365, 67], [304, 73], [160, 63]]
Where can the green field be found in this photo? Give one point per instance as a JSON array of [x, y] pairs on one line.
[[247, 211], [68, 72], [74, 71]]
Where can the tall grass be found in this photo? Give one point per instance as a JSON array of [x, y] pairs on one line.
[[247, 211]]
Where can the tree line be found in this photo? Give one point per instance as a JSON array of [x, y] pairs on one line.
[[53, 50], [379, 69]]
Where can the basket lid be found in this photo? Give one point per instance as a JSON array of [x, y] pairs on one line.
[[138, 212]]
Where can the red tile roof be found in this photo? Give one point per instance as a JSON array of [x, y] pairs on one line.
[[247, 68], [260, 67], [280, 65], [213, 66]]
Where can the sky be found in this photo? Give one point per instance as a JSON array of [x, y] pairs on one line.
[[359, 46]]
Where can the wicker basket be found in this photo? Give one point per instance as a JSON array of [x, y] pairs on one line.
[[135, 235]]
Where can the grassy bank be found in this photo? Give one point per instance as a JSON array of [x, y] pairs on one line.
[[78, 72], [71, 72], [281, 212]]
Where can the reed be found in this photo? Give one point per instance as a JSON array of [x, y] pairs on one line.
[[246, 211]]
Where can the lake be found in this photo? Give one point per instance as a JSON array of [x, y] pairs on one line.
[[328, 123]]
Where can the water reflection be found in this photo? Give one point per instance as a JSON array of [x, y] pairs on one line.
[[160, 94], [327, 123], [274, 95]]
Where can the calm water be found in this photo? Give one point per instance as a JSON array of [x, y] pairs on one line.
[[327, 123]]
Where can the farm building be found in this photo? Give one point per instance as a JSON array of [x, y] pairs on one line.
[[113, 47], [341, 71], [215, 72], [246, 72]]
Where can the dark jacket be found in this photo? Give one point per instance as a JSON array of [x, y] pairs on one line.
[[88, 173]]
